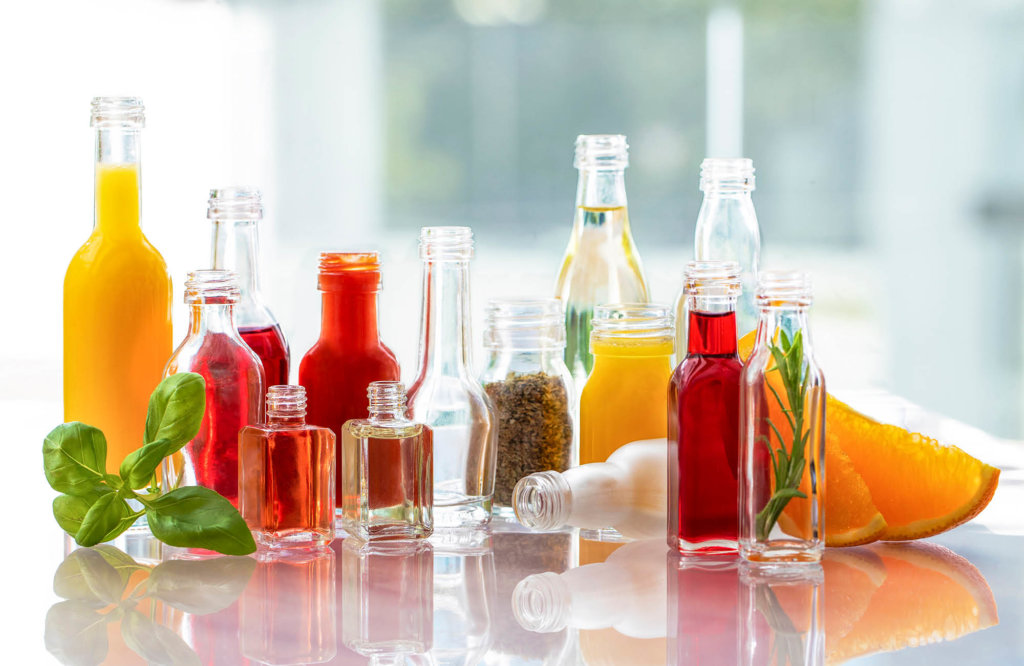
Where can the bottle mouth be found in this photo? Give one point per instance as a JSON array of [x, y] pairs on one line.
[[784, 288], [542, 501], [286, 400], [212, 287], [524, 324], [235, 204], [713, 279], [386, 397], [334, 263], [632, 320], [602, 151], [441, 243], [122, 112], [541, 603], [727, 173]]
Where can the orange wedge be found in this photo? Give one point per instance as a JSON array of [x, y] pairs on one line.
[[851, 577]]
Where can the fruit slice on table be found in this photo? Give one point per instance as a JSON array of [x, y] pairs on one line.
[[930, 594]]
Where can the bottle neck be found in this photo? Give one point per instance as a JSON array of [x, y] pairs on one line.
[[349, 318], [711, 333], [117, 181], [786, 318], [286, 419], [212, 319], [445, 321], [235, 247], [601, 188]]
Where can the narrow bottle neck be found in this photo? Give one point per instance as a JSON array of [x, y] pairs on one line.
[[601, 188], [349, 318], [727, 204], [235, 247], [445, 323], [711, 333], [117, 182], [789, 319], [212, 318], [286, 419]]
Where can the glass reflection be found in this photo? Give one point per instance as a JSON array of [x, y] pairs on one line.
[[781, 616], [703, 610], [288, 611], [464, 591]]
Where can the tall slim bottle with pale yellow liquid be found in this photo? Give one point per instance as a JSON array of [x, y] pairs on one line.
[[117, 295]]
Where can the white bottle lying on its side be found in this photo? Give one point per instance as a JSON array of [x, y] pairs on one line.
[[627, 493]]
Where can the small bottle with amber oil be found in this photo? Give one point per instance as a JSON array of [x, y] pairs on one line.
[[387, 470], [286, 475]]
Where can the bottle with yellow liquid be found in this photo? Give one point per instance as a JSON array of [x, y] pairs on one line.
[[117, 295], [601, 263]]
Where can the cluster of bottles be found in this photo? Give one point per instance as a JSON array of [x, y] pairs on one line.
[[455, 445]]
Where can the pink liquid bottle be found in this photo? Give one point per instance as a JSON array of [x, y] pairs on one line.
[[236, 213], [234, 384], [703, 416]]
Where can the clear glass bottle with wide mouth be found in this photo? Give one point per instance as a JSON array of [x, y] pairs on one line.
[[601, 263], [235, 213], [530, 389], [445, 395], [234, 384], [782, 431]]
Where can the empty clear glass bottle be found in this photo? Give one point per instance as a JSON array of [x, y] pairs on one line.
[[235, 213], [445, 396], [782, 430], [387, 466], [782, 616], [601, 264]]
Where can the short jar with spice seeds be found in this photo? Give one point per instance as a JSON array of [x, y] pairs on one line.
[[531, 389]]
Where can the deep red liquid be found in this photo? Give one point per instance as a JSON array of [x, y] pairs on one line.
[[703, 434], [704, 615], [269, 344]]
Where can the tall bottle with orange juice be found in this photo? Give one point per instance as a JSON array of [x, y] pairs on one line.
[[117, 294]]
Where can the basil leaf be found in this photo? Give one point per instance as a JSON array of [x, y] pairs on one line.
[[102, 518], [76, 634], [75, 458], [85, 575], [200, 587], [197, 517], [138, 467], [120, 560], [70, 511], [176, 409], [155, 643]]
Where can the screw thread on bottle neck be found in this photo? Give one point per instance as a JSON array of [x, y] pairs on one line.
[[542, 500], [286, 402], [386, 398]]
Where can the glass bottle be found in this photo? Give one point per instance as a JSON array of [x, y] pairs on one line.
[[706, 631], [465, 590], [782, 616], [387, 486], [727, 230], [445, 396], [234, 384], [626, 494], [286, 475], [349, 354], [601, 264], [117, 294], [782, 430], [530, 389], [703, 415], [235, 213], [624, 399]]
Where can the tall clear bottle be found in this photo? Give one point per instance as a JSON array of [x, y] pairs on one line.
[[601, 264], [117, 294], [235, 213], [445, 396], [727, 230]]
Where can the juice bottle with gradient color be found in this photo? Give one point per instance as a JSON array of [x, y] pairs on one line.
[[117, 295], [349, 354], [624, 399], [601, 264]]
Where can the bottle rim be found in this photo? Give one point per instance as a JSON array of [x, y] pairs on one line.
[[121, 112], [727, 173], [236, 203], [711, 278], [602, 151], [339, 263], [523, 324], [446, 243], [632, 320], [286, 400], [212, 286], [784, 288], [386, 396]]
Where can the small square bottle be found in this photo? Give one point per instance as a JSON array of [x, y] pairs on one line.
[[286, 475], [387, 470]]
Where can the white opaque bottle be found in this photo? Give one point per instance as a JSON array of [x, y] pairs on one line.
[[626, 493]]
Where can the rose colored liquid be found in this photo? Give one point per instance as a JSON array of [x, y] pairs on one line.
[[269, 344], [704, 613], [703, 433]]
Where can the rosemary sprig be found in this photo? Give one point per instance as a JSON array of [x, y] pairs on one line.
[[788, 462]]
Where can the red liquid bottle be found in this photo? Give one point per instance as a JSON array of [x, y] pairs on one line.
[[234, 384], [235, 213], [703, 416], [349, 354]]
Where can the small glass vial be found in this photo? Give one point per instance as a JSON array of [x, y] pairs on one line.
[[235, 384], [387, 470], [782, 430], [530, 388], [286, 475], [782, 613]]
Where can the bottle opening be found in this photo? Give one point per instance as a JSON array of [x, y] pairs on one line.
[[286, 401], [541, 603], [235, 204], [344, 262], [784, 288], [714, 282], [440, 243], [213, 287], [633, 320], [524, 324], [727, 174], [602, 151], [386, 397], [122, 112]]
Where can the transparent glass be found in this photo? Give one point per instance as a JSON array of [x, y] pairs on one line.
[[387, 599], [349, 354], [387, 484], [236, 213], [464, 600], [782, 616], [288, 612], [445, 395], [727, 230], [707, 632], [601, 263], [703, 416], [117, 294], [286, 475], [530, 388], [626, 494], [782, 431], [624, 399], [235, 384]]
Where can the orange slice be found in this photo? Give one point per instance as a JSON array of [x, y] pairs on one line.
[[851, 577]]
